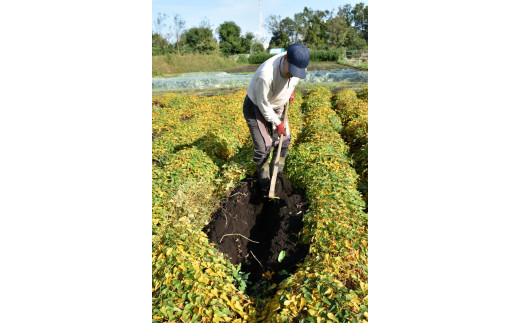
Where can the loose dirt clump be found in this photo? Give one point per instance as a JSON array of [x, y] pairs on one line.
[[253, 230]]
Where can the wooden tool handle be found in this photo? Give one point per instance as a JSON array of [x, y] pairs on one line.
[[275, 168]]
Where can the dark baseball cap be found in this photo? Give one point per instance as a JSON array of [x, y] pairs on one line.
[[298, 56]]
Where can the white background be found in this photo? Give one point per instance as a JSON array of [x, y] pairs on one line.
[[75, 175]]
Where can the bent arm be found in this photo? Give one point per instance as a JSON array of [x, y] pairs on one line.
[[262, 92]]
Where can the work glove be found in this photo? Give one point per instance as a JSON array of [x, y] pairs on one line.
[[280, 129], [291, 98]]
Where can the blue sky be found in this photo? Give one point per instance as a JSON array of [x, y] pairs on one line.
[[245, 13]]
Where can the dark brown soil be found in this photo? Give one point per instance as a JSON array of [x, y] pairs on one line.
[[248, 224]]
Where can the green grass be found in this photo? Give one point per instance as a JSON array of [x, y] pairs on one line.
[[355, 63], [174, 64], [334, 87]]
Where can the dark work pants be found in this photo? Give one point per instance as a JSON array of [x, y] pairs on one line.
[[261, 150]]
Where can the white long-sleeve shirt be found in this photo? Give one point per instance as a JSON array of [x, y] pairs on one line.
[[269, 89]]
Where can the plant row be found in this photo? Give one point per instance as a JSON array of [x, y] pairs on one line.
[[191, 281], [352, 109], [215, 125], [197, 145]]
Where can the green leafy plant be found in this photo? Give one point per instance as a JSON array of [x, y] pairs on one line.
[[241, 278], [191, 280], [281, 255]]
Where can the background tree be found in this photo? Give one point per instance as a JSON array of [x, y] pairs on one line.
[[282, 31], [360, 17], [200, 40], [280, 39], [291, 29], [160, 46], [230, 41], [205, 23], [345, 12], [171, 33], [246, 43], [178, 27], [257, 47], [316, 35], [322, 29], [300, 27], [355, 40], [317, 29], [273, 23], [338, 29], [159, 24]]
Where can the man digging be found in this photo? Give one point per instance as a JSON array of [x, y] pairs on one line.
[[271, 87]]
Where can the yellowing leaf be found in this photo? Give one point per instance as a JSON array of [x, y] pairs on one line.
[[332, 317], [203, 279], [302, 303], [217, 318]]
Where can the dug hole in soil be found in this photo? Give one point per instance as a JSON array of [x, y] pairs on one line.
[[252, 229]]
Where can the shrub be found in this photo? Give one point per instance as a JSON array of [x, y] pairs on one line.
[[243, 59], [363, 94], [257, 47], [259, 58], [325, 55]]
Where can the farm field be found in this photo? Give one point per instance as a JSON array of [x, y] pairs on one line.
[[222, 252], [334, 87]]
